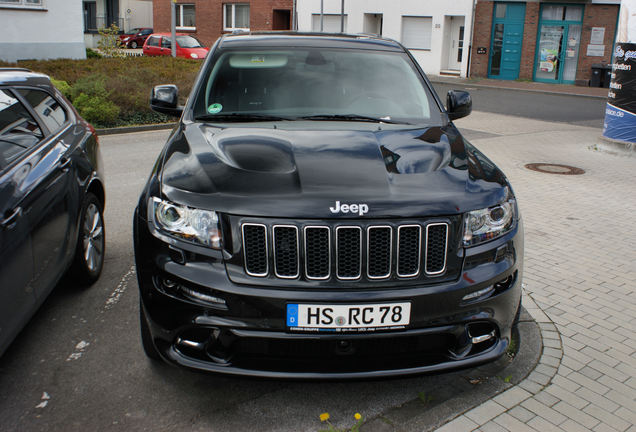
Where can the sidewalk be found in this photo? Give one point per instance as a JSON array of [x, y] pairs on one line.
[[566, 89], [580, 267]]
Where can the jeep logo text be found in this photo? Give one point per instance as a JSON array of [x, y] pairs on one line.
[[361, 209]]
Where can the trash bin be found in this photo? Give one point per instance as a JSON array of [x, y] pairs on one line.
[[597, 75], [607, 75]]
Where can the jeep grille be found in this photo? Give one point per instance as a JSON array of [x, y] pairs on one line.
[[348, 252]]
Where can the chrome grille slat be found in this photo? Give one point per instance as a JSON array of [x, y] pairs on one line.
[[255, 249], [379, 251], [317, 252], [409, 248], [436, 248], [285, 245], [348, 252]]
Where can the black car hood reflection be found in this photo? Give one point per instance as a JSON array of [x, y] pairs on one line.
[[301, 173]]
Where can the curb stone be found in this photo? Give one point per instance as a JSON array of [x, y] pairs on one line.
[[435, 79], [129, 129], [462, 399], [534, 383]]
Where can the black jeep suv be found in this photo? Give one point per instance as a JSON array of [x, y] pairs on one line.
[[316, 214]]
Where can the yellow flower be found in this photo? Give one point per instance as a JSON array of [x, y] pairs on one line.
[[357, 416], [324, 417]]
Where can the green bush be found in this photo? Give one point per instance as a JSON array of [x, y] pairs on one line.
[[125, 82], [109, 43], [96, 110], [91, 85], [63, 87], [92, 54]]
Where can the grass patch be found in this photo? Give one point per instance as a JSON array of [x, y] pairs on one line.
[[511, 351], [117, 90]]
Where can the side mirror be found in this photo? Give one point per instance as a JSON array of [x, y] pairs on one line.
[[164, 99], [458, 104]]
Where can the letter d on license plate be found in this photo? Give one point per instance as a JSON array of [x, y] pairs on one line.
[[342, 317]]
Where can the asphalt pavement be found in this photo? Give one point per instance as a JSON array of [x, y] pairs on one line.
[[551, 107]]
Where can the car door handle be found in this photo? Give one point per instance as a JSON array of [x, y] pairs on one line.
[[65, 164], [10, 221]]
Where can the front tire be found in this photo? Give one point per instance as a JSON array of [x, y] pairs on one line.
[[133, 45], [91, 242]]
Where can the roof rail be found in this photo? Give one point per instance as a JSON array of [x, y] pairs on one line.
[[14, 69]]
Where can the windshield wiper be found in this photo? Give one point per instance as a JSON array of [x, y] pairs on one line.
[[239, 117], [351, 117]]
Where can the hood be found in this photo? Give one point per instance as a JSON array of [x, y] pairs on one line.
[[201, 52], [296, 172]]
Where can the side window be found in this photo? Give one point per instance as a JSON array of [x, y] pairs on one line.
[[47, 107], [18, 130], [153, 41], [166, 42]]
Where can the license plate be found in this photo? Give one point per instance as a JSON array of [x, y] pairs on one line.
[[365, 317]]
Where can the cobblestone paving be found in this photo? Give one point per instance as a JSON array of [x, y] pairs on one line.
[[579, 281]]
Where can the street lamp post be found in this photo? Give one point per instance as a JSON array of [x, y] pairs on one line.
[[173, 26]]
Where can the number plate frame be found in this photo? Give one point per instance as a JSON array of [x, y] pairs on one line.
[[347, 317]]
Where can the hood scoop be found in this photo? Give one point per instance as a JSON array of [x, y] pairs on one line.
[[257, 154]]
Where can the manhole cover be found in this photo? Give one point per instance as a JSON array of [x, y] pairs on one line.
[[549, 168]]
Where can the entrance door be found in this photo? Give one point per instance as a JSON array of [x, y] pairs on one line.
[[372, 24], [456, 43], [282, 19], [506, 40], [558, 43]]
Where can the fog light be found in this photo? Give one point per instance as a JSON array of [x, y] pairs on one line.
[[202, 296], [477, 294], [168, 283], [482, 338]]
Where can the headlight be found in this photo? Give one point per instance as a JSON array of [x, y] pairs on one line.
[[193, 55], [190, 224], [487, 224]]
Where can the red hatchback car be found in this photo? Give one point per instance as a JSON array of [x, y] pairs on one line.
[[135, 37], [159, 44]]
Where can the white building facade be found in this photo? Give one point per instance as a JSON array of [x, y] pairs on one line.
[[436, 32], [41, 29], [125, 14]]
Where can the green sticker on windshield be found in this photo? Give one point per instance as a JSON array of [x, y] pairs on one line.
[[215, 108]]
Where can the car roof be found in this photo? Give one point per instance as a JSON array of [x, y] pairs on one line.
[[21, 76], [170, 34], [300, 39]]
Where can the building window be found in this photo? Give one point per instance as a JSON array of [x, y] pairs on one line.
[[236, 16], [416, 32], [185, 17], [36, 3], [331, 23]]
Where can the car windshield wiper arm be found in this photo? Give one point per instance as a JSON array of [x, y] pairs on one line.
[[351, 117], [247, 117]]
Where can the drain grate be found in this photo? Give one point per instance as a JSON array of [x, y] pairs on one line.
[[549, 168]]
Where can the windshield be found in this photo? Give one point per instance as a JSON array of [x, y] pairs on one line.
[[317, 84], [188, 42]]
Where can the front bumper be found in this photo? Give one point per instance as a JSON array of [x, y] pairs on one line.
[[199, 319]]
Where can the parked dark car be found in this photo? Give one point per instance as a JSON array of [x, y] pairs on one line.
[[160, 44], [135, 38], [316, 214], [51, 197]]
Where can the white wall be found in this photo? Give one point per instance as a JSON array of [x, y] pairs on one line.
[[54, 31], [140, 14], [431, 61]]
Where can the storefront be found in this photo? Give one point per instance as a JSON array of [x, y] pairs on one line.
[[551, 42]]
